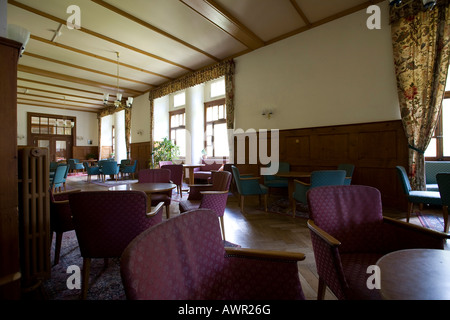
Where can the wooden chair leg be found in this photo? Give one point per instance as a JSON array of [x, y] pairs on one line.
[[242, 203], [58, 241], [445, 214], [294, 207], [321, 289], [222, 225], [265, 201], [85, 280], [410, 209], [168, 211]]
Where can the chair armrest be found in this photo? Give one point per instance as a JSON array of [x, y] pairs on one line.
[[265, 254], [250, 178], [302, 183], [155, 211], [214, 192], [416, 228], [200, 185], [329, 239]]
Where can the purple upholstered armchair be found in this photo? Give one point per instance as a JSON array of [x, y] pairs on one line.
[[184, 259], [212, 196], [107, 221], [176, 175], [158, 175], [204, 173], [349, 233]]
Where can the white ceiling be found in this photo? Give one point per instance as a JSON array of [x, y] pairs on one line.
[[158, 40]]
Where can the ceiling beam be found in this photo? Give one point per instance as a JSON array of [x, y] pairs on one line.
[[300, 12], [33, 55], [218, 16], [60, 104], [54, 107], [57, 93], [152, 27], [59, 99], [63, 46], [95, 34], [68, 78]]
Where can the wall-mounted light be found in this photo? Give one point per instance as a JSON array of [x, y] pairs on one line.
[[80, 138], [140, 132], [267, 113]]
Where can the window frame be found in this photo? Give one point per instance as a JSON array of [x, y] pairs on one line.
[[180, 127], [438, 135], [211, 104]]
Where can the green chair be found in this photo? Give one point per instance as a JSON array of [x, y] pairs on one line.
[[249, 186], [273, 181], [91, 170], [58, 179], [129, 169], [349, 168], [75, 165]]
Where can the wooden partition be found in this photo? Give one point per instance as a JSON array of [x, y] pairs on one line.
[[141, 153], [374, 148]]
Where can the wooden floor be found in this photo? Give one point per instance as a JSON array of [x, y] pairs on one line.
[[260, 230]]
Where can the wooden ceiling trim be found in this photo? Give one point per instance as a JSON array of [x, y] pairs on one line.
[[53, 107], [68, 78], [152, 27], [33, 55], [96, 34], [59, 99], [63, 46], [62, 104], [325, 20], [217, 15], [57, 93], [300, 12]]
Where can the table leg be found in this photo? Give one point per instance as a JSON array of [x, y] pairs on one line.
[[191, 176]]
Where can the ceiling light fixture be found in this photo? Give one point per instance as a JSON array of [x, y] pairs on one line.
[[118, 102]]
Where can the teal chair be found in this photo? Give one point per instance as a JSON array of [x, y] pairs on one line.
[[110, 168], [349, 168], [248, 186], [75, 164], [318, 179], [272, 181], [416, 196], [59, 179], [91, 171], [443, 181], [129, 168]]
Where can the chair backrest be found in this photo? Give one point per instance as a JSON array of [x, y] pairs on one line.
[[106, 221], [176, 172], [349, 169], [327, 178], [154, 175], [177, 259], [237, 178], [282, 167], [220, 180], [124, 162], [110, 167], [403, 176], [60, 174], [352, 214], [164, 163], [443, 181]]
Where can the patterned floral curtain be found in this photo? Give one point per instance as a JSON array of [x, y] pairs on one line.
[[111, 110], [421, 55], [224, 68]]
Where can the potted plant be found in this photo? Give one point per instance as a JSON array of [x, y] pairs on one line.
[[164, 150], [90, 156], [204, 154]]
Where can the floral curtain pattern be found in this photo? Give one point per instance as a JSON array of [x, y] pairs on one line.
[[109, 111], [421, 56], [224, 68]]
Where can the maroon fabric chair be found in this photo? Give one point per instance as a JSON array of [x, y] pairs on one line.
[[60, 218], [107, 221], [349, 233], [184, 259], [203, 174], [176, 175], [212, 196], [158, 175]]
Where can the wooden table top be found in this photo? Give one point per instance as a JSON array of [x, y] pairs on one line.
[[294, 174], [193, 165], [415, 274], [151, 187]]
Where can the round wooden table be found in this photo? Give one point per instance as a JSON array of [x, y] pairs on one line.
[[148, 188], [191, 167], [415, 274], [291, 176]]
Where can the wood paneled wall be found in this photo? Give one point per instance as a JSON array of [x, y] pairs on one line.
[[81, 152], [141, 153], [374, 148]]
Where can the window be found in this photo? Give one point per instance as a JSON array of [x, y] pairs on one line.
[[218, 88], [216, 136], [179, 99], [439, 147], [177, 123], [49, 125]]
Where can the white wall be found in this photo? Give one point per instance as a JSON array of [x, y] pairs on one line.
[[140, 119], [338, 73], [3, 18], [87, 125]]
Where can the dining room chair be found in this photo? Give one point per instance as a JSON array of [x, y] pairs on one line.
[[129, 169], [106, 222], [75, 165], [349, 169], [443, 181], [273, 181], [109, 168], [249, 186], [318, 178], [91, 171], [59, 178], [176, 175], [349, 234], [164, 163], [154, 176], [416, 196], [60, 218], [184, 258], [212, 196]]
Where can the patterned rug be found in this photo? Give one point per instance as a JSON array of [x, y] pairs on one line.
[[431, 221], [283, 206]]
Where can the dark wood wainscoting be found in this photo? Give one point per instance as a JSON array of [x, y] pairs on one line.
[[81, 152], [374, 148], [141, 152]]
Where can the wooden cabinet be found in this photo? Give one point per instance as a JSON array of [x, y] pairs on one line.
[[9, 229]]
